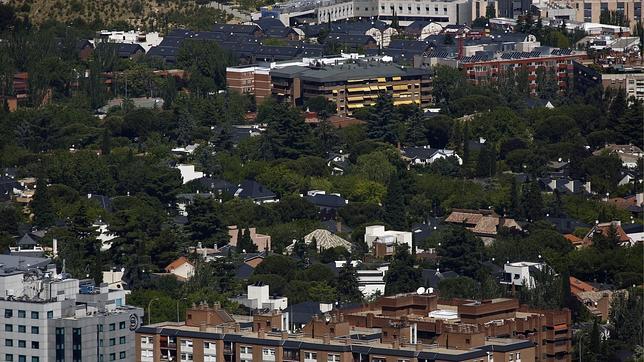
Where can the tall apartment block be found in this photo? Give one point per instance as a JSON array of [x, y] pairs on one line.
[[49, 316]]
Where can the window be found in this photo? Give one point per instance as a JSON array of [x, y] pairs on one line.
[[245, 349], [8, 357], [112, 356], [122, 340], [22, 358], [22, 329], [8, 342], [333, 357], [112, 326], [8, 313], [268, 352], [511, 357], [35, 315], [186, 357], [121, 325], [35, 359], [122, 355], [8, 327], [112, 341], [50, 314], [22, 344], [310, 355], [35, 345], [22, 314], [186, 343], [35, 330], [100, 328]]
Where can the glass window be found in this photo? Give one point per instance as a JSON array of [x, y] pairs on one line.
[[8, 357], [35, 359], [8, 342], [8, 327], [22, 358], [22, 344], [112, 341], [122, 355], [35, 315], [50, 314], [121, 340], [112, 326], [8, 313], [22, 329], [35, 330], [22, 314], [121, 325], [35, 345], [112, 356]]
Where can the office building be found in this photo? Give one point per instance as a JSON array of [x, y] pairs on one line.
[[631, 83], [352, 86], [590, 11], [52, 317], [325, 339], [444, 12]]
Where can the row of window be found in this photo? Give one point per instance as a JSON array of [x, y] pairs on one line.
[[112, 326], [21, 329], [21, 358], [21, 343], [8, 313]]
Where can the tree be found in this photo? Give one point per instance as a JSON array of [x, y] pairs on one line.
[[459, 287], [204, 221], [244, 242], [41, 205], [80, 247], [532, 202], [402, 276], [460, 251], [287, 136], [626, 318], [383, 121], [348, 287], [514, 198], [206, 62], [106, 142], [416, 130], [394, 204], [486, 163]]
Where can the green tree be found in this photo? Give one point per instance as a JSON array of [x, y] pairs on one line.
[[206, 62], [626, 318], [204, 221], [80, 247], [403, 276], [394, 204], [459, 287], [416, 130], [287, 136], [245, 242], [106, 142], [532, 202], [383, 120], [460, 251], [348, 287], [41, 205]]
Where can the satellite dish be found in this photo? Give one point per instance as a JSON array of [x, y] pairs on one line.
[[420, 290], [327, 318]]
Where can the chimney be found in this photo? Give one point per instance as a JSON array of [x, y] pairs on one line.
[[55, 247], [261, 334], [326, 339], [237, 328], [202, 327], [396, 344], [284, 335]]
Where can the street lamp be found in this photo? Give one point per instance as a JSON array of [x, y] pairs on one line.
[[184, 298], [149, 311]]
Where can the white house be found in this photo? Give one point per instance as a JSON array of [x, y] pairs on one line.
[[188, 172], [521, 273], [377, 233], [181, 268], [426, 155], [258, 297], [370, 282]]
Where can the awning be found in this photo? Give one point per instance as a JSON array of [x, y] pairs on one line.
[[351, 99], [357, 105], [396, 78], [397, 103], [561, 327], [362, 89], [382, 80], [400, 87]]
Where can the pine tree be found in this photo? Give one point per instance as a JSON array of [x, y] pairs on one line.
[[245, 242], [595, 338], [466, 143], [382, 121], [348, 287], [514, 197], [402, 276], [416, 130], [106, 142], [394, 204], [41, 205], [532, 202]]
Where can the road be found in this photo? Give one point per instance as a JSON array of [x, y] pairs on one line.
[[242, 16]]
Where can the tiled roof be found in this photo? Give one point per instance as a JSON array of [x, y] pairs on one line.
[[177, 263]]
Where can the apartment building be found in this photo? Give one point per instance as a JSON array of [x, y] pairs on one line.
[[383, 242], [328, 339], [590, 10], [352, 86], [549, 331], [250, 80], [51, 317], [631, 83]]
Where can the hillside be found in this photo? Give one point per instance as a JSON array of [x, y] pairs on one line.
[[143, 14]]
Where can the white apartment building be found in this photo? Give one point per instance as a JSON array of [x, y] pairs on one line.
[[521, 274]]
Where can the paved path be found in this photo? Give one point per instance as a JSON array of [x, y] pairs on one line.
[[243, 16]]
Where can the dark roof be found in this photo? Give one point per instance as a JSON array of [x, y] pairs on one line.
[[423, 231], [124, 50], [213, 184], [344, 72], [235, 28], [302, 313], [244, 271], [324, 200], [416, 27], [269, 23], [27, 240], [254, 190], [633, 228], [332, 226], [350, 39], [279, 32], [414, 45], [168, 54], [419, 152], [83, 43]]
